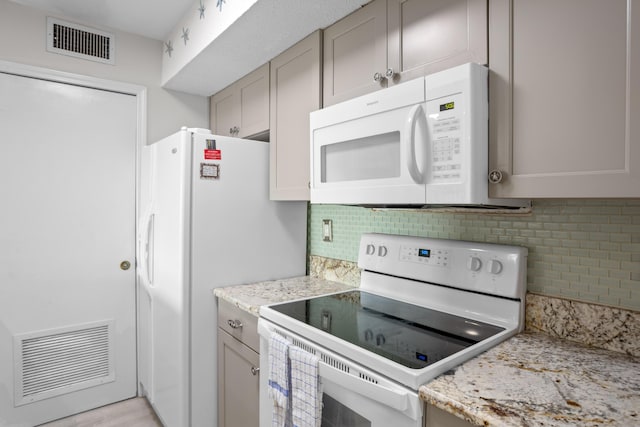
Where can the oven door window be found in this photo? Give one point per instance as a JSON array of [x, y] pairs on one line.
[[368, 406], [335, 414]]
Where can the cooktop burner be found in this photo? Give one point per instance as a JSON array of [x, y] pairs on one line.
[[408, 334]]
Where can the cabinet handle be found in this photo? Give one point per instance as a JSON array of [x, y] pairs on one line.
[[254, 370], [378, 77], [235, 324], [495, 176], [389, 74]]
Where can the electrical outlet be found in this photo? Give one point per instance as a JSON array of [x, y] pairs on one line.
[[327, 230]]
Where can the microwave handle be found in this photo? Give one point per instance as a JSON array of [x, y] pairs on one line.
[[416, 113]]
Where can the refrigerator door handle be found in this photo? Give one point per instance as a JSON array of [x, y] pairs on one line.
[[148, 250]]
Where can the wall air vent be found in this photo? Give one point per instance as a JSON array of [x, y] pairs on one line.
[[55, 362], [79, 41]]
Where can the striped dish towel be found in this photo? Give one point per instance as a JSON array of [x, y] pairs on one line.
[[306, 389], [280, 380]]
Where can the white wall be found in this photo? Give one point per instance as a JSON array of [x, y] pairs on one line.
[[138, 60]]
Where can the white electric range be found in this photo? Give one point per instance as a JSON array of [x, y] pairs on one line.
[[423, 307]]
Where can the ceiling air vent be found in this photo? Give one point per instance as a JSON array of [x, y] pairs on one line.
[[80, 41]]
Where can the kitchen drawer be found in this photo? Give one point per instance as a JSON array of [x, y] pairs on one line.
[[239, 324]]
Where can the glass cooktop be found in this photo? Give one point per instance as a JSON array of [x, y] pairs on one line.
[[411, 335]]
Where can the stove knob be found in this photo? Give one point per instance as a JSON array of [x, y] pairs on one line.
[[382, 251], [370, 249], [380, 339], [474, 263], [494, 266]]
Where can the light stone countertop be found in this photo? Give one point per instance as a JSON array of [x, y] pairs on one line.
[[532, 379], [251, 296]]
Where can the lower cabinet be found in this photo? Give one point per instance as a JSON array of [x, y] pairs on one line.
[[238, 368], [436, 417]]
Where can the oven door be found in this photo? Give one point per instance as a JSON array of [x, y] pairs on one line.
[[353, 396]]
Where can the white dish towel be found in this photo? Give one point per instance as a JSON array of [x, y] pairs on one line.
[[306, 389], [280, 380]]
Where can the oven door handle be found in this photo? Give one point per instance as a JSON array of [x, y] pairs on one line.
[[395, 398]]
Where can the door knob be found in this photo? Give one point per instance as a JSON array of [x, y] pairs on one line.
[[125, 265]]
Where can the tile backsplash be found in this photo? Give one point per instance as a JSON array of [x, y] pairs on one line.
[[585, 250]]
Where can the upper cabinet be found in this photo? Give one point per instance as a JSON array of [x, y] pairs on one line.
[[242, 109], [565, 98], [426, 36], [355, 48], [391, 41], [295, 92]]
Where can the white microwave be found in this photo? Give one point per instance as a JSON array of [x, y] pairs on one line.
[[423, 142]]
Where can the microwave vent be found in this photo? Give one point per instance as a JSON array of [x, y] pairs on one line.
[[79, 41]]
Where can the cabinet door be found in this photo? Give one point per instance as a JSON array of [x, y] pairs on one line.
[[238, 383], [225, 112], [355, 48], [565, 95], [242, 109], [295, 92], [429, 36], [253, 94], [436, 417]]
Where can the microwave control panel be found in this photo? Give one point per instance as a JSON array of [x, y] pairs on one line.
[[445, 116]]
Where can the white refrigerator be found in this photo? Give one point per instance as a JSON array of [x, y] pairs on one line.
[[206, 221]]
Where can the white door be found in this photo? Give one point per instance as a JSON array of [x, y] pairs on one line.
[[67, 222]]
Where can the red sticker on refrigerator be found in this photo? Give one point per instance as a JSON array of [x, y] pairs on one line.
[[212, 155]]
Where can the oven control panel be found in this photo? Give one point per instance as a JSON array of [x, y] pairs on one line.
[[482, 267], [432, 257]]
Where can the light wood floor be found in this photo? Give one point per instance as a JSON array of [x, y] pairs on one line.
[[130, 413]]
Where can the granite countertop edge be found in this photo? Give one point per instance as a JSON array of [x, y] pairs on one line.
[[250, 297]]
